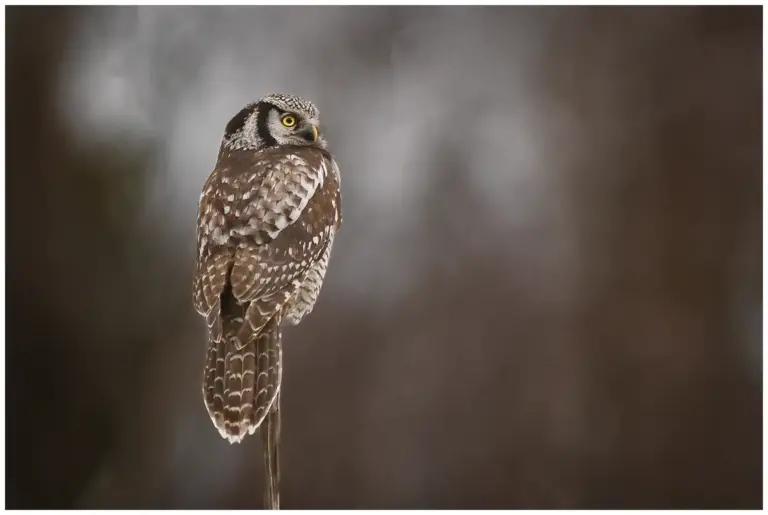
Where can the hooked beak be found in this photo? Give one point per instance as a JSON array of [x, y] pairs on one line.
[[310, 134]]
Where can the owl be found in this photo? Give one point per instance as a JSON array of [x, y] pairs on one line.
[[268, 215]]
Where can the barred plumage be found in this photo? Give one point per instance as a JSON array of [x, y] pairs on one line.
[[267, 219]]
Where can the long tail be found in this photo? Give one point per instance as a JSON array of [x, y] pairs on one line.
[[270, 442], [242, 389], [241, 383]]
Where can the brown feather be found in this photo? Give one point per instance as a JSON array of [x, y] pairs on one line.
[[265, 228]]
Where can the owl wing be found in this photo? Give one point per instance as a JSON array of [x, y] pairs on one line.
[[249, 239], [294, 230], [213, 257]]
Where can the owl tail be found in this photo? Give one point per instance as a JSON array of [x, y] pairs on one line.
[[242, 382]]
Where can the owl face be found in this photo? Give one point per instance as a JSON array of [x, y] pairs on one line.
[[291, 127], [274, 120]]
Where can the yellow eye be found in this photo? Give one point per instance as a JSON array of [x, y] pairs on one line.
[[289, 121]]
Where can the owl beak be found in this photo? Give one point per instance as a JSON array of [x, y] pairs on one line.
[[310, 134]]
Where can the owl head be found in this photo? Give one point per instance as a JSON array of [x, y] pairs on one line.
[[274, 120]]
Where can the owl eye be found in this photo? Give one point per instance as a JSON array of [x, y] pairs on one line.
[[288, 120]]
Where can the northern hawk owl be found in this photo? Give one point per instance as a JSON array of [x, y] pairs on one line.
[[267, 218]]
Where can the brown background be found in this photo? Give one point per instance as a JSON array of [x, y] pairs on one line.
[[546, 293]]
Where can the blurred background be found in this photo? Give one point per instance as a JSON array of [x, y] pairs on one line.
[[546, 292]]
